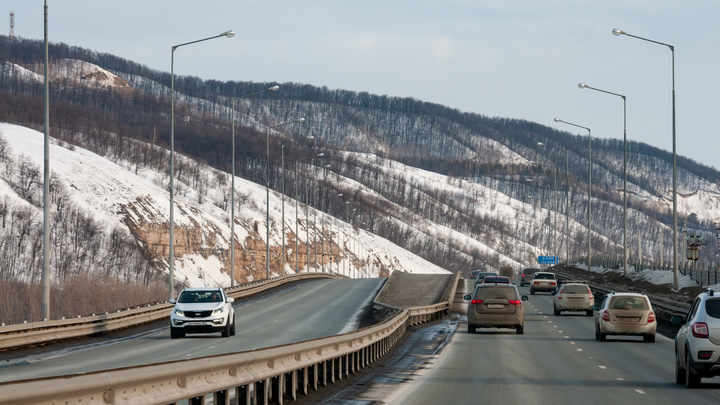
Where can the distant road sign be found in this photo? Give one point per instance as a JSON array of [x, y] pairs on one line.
[[547, 260]]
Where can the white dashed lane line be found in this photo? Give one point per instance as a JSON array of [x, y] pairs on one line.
[[640, 391], [603, 367]]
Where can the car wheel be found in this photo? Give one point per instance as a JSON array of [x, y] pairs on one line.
[[649, 338], [601, 336], [597, 335], [589, 312], [679, 371], [556, 311], [553, 292], [692, 380], [520, 330], [232, 329], [226, 331], [532, 292], [471, 328], [174, 333]]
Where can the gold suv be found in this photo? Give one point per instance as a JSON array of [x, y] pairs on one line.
[[496, 306], [625, 314]]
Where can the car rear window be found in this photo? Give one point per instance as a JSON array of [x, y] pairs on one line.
[[495, 292], [200, 296], [712, 307], [530, 271], [575, 289], [544, 276], [489, 279], [628, 302]]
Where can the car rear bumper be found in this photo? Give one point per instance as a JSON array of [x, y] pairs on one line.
[[624, 329], [580, 306], [495, 321]]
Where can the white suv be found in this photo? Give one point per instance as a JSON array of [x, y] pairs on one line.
[[202, 310], [696, 356]]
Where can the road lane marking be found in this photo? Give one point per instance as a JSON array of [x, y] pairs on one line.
[[572, 343], [567, 337], [579, 350], [603, 367], [559, 331], [640, 391], [554, 326], [545, 316], [621, 379]]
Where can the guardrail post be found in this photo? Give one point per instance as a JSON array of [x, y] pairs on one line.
[[293, 384], [261, 392], [242, 395], [305, 380], [221, 398], [340, 368], [353, 360], [278, 385], [332, 370]]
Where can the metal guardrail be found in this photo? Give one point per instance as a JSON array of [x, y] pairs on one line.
[[664, 307], [47, 331], [256, 376]]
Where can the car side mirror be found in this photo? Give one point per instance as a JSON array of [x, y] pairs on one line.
[[171, 301], [231, 300], [595, 308], [467, 297], [524, 298], [676, 320]]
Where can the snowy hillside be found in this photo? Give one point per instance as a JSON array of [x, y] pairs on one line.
[[117, 197]]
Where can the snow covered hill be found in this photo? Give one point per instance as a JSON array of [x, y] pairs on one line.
[[117, 197]]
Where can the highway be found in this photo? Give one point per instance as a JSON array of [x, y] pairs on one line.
[[556, 361], [309, 310]]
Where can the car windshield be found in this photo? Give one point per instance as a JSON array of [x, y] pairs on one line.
[[626, 302], [576, 289], [712, 307], [489, 293], [544, 276], [200, 296], [490, 279]]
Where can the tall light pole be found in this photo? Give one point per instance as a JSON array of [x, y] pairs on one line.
[[232, 197], [46, 183], [589, 188], [625, 253], [338, 232], [567, 199], [297, 232], [171, 248], [618, 32], [267, 197]]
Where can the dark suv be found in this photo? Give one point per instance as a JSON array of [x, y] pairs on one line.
[[527, 276]]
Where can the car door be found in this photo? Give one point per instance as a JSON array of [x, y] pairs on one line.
[[682, 334]]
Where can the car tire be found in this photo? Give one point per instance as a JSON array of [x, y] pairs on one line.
[[589, 312], [553, 292], [532, 292], [649, 338], [601, 336], [556, 312], [174, 333], [471, 329], [226, 331], [679, 371], [232, 329], [520, 330], [597, 335], [692, 380]]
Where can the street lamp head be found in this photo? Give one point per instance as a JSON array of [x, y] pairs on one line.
[[558, 120], [617, 32], [310, 138], [340, 195], [321, 154], [582, 85], [540, 144], [300, 120], [228, 34], [274, 88]]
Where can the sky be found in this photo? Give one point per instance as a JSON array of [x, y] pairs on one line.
[[518, 59]]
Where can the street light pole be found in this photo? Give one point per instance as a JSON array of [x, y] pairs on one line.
[[267, 196], [589, 188], [618, 32], [171, 247], [46, 183], [232, 196], [625, 255]]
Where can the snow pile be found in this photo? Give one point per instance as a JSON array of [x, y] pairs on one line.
[[88, 74], [13, 70]]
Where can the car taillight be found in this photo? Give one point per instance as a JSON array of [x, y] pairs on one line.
[[559, 297], [537, 282], [477, 301], [515, 302], [553, 282], [651, 317], [700, 330], [606, 315]]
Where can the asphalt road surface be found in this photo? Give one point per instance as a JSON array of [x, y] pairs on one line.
[[557, 361], [310, 310]]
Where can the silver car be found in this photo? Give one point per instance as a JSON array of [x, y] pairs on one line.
[[574, 297], [625, 314], [202, 310], [496, 306], [543, 282], [696, 354]]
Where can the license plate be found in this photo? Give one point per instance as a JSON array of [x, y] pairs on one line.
[[496, 306], [195, 323]]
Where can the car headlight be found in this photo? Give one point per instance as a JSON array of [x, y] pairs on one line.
[[218, 311], [179, 312]]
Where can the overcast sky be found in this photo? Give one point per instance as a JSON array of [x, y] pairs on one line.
[[517, 59]]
